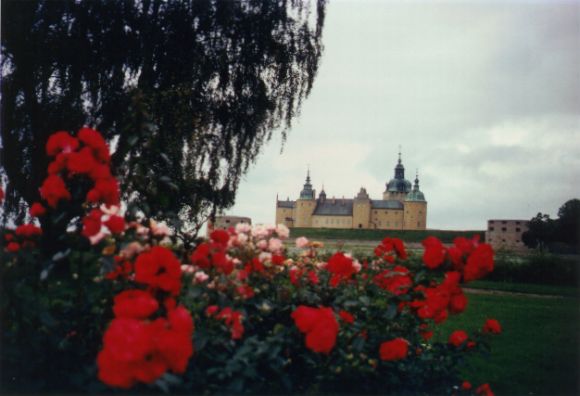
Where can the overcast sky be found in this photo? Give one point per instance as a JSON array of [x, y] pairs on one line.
[[483, 97]]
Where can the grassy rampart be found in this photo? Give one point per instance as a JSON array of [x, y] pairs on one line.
[[377, 235]]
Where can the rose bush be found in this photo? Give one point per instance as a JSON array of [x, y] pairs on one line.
[[118, 303]]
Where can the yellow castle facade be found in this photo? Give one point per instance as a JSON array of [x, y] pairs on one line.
[[402, 207]]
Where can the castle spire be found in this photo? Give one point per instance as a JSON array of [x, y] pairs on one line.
[[416, 185], [307, 192], [399, 168]]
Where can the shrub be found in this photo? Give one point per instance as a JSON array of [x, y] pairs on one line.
[[538, 267], [119, 300]]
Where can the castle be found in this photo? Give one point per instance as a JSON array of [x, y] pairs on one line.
[[402, 208]]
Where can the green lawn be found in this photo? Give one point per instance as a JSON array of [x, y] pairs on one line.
[[538, 351], [378, 235], [526, 288]]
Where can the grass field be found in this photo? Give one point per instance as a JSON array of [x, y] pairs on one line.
[[378, 235], [525, 288], [537, 353]]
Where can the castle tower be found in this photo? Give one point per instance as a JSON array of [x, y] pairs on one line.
[[305, 205], [361, 210], [322, 195], [398, 187], [415, 207]]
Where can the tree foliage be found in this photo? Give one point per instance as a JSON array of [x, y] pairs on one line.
[[188, 91], [545, 232]]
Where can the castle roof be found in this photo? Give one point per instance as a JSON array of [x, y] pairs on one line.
[[286, 204], [334, 207], [399, 183], [386, 204]]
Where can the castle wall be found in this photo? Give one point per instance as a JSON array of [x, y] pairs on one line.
[[361, 210], [387, 219], [415, 217], [331, 221], [282, 216], [397, 196], [304, 210]]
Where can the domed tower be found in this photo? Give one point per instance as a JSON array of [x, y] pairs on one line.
[[306, 204], [398, 187], [415, 207]]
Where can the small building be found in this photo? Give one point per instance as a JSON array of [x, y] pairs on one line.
[[226, 222], [506, 234]]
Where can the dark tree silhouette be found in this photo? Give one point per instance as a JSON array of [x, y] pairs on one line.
[[569, 223], [546, 233], [188, 91]]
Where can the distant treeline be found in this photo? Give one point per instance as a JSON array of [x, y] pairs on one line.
[[377, 235]]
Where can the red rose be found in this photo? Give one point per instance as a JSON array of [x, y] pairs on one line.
[[94, 140], [159, 268], [278, 259], [53, 190], [457, 303], [211, 310], [128, 340], [458, 337], [466, 385], [233, 320], [389, 248], [61, 142], [28, 230], [81, 162], [136, 304], [492, 326], [1, 194], [434, 252], [313, 277], [484, 390], [322, 338], [58, 165], [180, 320], [220, 236], [396, 349], [341, 267], [346, 317], [395, 280], [37, 210], [175, 348], [479, 263], [114, 372], [305, 318], [92, 223], [295, 274], [13, 247], [320, 326], [200, 256], [245, 291], [107, 190], [115, 224]]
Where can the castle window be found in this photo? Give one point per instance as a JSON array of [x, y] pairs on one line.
[[491, 222], [517, 222], [491, 228], [504, 222], [375, 212], [418, 224], [517, 229], [503, 229]]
